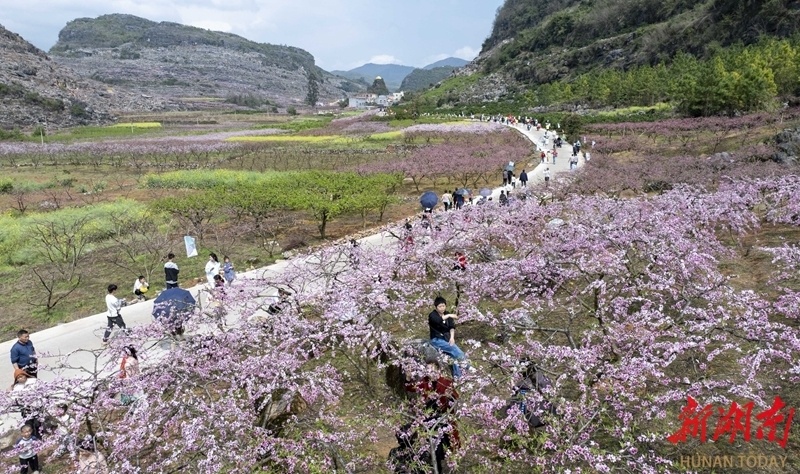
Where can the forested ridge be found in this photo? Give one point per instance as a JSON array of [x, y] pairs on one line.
[[701, 57]]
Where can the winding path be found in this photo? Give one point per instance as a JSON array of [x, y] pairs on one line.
[[76, 337]]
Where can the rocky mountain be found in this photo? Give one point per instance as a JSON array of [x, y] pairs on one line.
[[395, 74], [392, 74], [536, 42], [35, 90], [448, 62], [193, 64], [421, 79]]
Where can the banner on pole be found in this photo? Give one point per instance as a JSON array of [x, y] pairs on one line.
[[191, 247]]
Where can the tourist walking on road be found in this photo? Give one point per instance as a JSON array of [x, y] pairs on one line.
[[23, 354], [447, 200], [523, 179], [212, 268], [459, 199], [171, 272], [442, 327], [114, 305], [547, 177]]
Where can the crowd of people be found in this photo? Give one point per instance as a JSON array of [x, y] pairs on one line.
[[432, 397], [24, 362], [40, 422], [434, 393]]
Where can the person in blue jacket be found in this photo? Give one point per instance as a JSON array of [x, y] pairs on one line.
[[23, 354]]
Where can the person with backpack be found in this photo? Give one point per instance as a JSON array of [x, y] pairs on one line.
[[523, 178]]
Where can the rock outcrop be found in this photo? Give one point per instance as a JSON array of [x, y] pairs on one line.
[[35, 90], [182, 62]]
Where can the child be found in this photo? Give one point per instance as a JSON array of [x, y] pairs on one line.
[[228, 271], [64, 425], [26, 446]]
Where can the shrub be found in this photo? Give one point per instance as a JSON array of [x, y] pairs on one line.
[[54, 105], [246, 100], [128, 54], [291, 111], [39, 131], [79, 109], [10, 134]]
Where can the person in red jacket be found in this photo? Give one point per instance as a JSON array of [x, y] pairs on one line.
[[435, 396], [461, 261]]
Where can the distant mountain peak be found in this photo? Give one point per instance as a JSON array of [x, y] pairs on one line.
[[447, 62]]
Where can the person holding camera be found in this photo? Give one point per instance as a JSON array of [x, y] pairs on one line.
[[114, 306]]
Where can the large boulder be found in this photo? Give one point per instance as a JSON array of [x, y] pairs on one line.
[[788, 146]]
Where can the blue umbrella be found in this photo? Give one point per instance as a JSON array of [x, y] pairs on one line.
[[463, 192], [429, 200], [173, 306], [485, 192]]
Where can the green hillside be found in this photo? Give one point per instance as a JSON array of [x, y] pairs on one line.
[[703, 57], [420, 79]]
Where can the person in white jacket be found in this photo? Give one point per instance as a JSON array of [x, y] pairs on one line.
[[114, 305], [212, 268]]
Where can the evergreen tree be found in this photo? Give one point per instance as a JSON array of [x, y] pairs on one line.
[[313, 90], [378, 87]]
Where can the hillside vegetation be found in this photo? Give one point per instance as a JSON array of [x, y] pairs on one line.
[[700, 56], [420, 79], [624, 33]]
